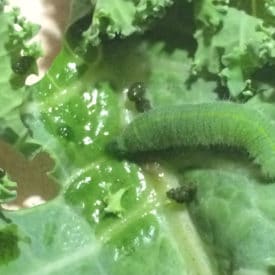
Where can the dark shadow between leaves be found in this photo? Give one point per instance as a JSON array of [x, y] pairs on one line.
[[9, 249]]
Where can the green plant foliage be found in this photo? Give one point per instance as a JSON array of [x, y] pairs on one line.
[[112, 215]]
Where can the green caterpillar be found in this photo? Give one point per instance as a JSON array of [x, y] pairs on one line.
[[207, 124]]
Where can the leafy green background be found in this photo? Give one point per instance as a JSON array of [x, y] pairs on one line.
[[112, 216]]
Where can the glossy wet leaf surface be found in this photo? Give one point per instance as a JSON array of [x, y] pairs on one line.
[[112, 216]]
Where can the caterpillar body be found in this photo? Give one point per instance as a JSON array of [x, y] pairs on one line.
[[206, 124]]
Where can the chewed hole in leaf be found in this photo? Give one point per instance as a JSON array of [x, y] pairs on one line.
[[34, 185]]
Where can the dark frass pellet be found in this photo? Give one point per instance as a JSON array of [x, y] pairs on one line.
[[136, 91], [22, 64], [182, 194], [143, 105], [65, 131]]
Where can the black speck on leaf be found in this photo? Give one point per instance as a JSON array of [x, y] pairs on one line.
[[136, 91], [182, 194], [21, 65]]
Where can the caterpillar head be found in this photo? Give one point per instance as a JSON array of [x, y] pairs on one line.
[[116, 148]]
